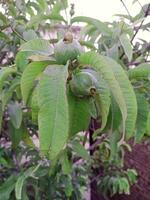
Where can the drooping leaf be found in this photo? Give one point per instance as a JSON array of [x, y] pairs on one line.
[[7, 93], [79, 114], [21, 59], [141, 71], [142, 116], [20, 181], [7, 187], [34, 105], [119, 85], [101, 27], [126, 44], [103, 101], [32, 71], [80, 150], [15, 114], [4, 73], [53, 117], [38, 46]]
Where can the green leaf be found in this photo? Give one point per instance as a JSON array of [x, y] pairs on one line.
[[15, 135], [15, 114], [88, 44], [58, 6], [31, 72], [37, 19], [142, 116], [53, 117], [1, 115], [4, 73], [7, 93], [141, 71], [79, 114], [101, 27], [34, 105], [38, 46], [148, 125], [7, 187], [126, 44], [29, 35], [103, 101], [66, 164], [118, 84], [21, 60], [20, 182], [80, 150], [3, 18]]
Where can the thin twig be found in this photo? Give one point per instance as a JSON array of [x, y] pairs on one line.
[[126, 9], [136, 32], [100, 140], [145, 15]]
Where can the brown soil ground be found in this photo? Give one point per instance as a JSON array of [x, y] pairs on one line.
[[139, 159]]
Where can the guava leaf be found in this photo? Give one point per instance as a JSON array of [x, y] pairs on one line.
[[79, 113], [53, 117], [118, 84], [30, 73]]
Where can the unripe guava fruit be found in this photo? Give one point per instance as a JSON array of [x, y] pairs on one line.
[[67, 49], [83, 83]]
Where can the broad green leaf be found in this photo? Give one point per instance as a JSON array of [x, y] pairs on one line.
[[31, 72], [66, 164], [20, 181], [38, 46], [126, 44], [7, 93], [15, 135], [53, 117], [4, 73], [29, 35], [142, 70], [142, 116], [1, 115], [21, 59], [87, 44], [37, 19], [7, 187], [3, 19], [15, 114], [104, 70], [58, 6], [4, 36], [80, 150], [103, 101], [26, 138], [101, 27], [115, 115], [79, 114], [34, 105], [118, 84], [148, 125]]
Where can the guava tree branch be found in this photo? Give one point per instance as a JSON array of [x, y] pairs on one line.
[[145, 15]]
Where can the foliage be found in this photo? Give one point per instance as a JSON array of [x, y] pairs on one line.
[[52, 99]]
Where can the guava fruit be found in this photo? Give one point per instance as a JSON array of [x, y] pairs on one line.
[[67, 49]]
